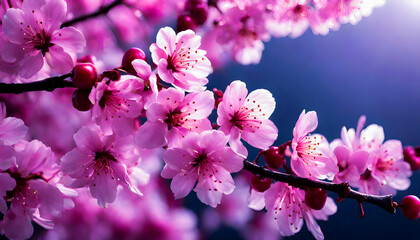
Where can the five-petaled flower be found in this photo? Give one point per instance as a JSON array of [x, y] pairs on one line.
[[34, 33], [203, 158], [246, 117], [179, 60]]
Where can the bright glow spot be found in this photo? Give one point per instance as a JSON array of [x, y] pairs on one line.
[[413, 4]]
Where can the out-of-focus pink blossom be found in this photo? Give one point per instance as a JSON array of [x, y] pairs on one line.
[[173, 116], [34, 34], [348, 11], [100, 162], [242, 30], [204, 159], [292, 18], [179, 60], [287, 205], [246, 116], [311, 157], [116, 104], [232, 211]]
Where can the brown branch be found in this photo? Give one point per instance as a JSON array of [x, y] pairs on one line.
[[48, 84], [102, 10], [342, 189]]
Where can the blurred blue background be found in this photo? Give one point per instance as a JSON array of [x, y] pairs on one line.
[[372, 68]]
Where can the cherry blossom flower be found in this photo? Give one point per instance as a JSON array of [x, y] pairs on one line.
[[287, 205], [242, 30], [173, 116], [117, 104], [34, 34], [351, 162], [385, 170], [311, 157], [369, 163], [203, 158], [32, 196], [100, 162], [292, 18], [246, 117], [179, 60]]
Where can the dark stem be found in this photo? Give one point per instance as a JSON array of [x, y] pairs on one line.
[[102, 10], [342, 189], [48, 84]]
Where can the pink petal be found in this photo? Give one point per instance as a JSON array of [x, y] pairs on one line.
[[306, 123], [60, 61], [143, 69], [183, 183], [165, 39], [11, 52], [30, 65], [123, 126], [256, 200], [170, 98], [313, 226], [12, 130], [157, 53], [342, 155], [157, 112], [198, 105], [187, 39], [73, 162], [104, 189], [17, 226], [372, 137], [178, 159], [213, 141], [235, 95], [236, 144], [168, 172], [264, 99], [263, 137], [12, 25], [151, 135], [232, 162], [70, 39], [88, 140], [7, 183], [55, 13], [51, 199]]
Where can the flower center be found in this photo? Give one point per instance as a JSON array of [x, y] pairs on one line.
[[102, 162], [202, 157], [308, 147]]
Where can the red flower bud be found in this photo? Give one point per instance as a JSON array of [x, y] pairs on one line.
[[81, 100], [185, 22], [412, 156], [410, 206], [84, 75], [131, 55], [274, 157], [315, 198], [260, 185]]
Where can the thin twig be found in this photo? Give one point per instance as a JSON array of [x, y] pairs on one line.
[[48, 84], [342, 189], [102, 10]]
